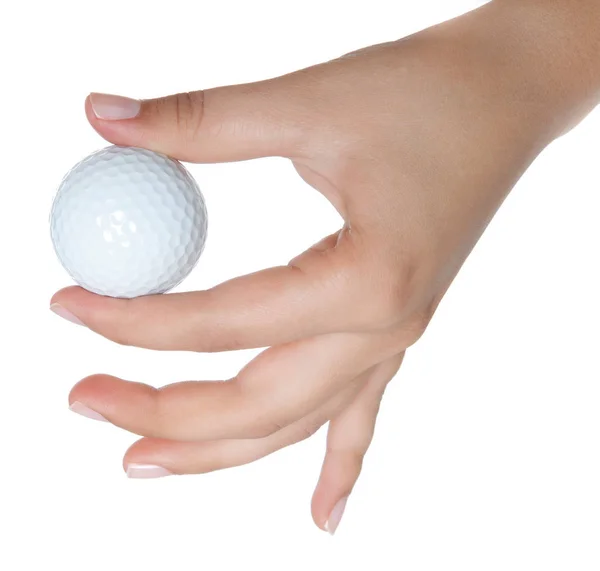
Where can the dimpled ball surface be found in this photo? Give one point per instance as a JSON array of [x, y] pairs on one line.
[[128, 222]]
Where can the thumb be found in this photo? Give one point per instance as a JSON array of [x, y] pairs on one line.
[[217, 125]]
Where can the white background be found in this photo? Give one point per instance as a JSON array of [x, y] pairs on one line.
[[486, 452]]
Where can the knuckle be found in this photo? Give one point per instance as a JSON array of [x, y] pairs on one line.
[[410, 330], [158, 422], [351, 457], [420, 321], [396, 292], [219, 343], [413, 330], [306, 431], [264, 429], [188, 109], [256, 413], [398, 306], [119, 336], [124, 323], [311, 430]]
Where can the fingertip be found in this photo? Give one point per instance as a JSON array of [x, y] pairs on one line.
[[89, 386], [78, 298], [115, 399], [91, 116], [142, 451], [64, 294], [80, 306], [328, 507], [98, 312], [106, 391], [318, 509], [82, 399], [87, 105], [107, 107], [116, 131], [331, 493]]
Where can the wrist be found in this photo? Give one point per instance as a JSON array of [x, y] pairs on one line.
[[554, 49]]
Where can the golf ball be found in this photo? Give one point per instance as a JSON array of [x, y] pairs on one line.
[[128, 222]]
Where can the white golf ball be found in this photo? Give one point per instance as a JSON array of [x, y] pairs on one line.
[[128, 222]]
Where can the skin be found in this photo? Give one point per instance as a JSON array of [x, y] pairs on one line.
[[416, 143]]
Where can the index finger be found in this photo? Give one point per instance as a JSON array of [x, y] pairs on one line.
[[270, 307]]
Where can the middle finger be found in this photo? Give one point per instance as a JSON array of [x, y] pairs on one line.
[[280, 386]]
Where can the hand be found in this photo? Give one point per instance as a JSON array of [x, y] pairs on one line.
[[416, 143]]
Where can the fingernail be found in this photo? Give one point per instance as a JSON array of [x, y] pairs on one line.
[[146, 471], [114, 107], [336, 516], [65, 314], [83, 410]]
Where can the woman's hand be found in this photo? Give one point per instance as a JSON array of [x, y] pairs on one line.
[[416, 143]]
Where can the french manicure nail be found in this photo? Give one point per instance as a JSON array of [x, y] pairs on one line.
[[83, 410], [146, 471], [65, 314], [114, 107], [336, 516]]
